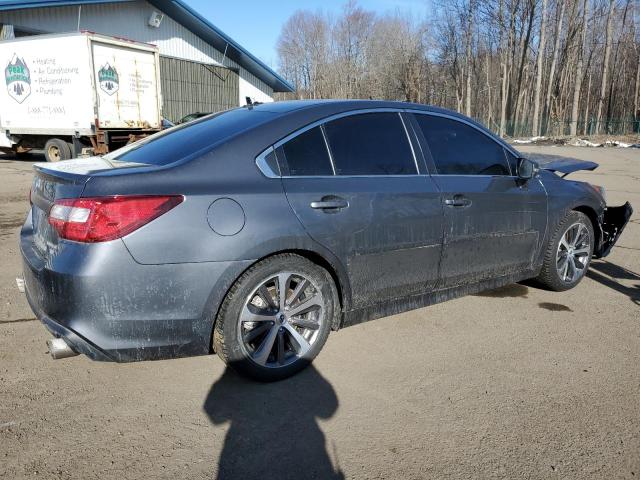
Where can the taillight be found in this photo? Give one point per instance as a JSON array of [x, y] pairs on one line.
[[99, 219]]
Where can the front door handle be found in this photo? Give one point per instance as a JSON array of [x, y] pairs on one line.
[[457, 201], [330, 202]]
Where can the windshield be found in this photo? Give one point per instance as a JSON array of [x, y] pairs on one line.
[[188, 140]]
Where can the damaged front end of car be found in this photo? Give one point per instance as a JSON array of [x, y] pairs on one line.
[[611, 224], [612, 221]]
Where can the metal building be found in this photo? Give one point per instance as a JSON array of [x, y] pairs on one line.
[[201, 68]]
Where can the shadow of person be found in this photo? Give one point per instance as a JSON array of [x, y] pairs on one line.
[[273, 432]]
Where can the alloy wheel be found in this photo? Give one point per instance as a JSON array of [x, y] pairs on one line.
[[281, 319], [573, 253]]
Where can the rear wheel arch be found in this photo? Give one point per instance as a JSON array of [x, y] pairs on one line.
[[339, 277]]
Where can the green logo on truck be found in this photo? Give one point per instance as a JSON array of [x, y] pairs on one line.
[[108, 79], [18, 79]]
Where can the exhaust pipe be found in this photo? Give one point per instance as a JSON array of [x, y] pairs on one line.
[[58, 348]]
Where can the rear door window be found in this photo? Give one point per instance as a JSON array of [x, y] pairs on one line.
[[306, 154], [459, 149], [370, 144]]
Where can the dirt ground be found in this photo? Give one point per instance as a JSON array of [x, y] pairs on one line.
[[512, 383]]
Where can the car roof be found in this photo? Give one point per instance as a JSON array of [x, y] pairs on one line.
[[287, 106], [312, 110]]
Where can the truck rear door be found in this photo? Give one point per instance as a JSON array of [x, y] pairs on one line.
[[126, 86]]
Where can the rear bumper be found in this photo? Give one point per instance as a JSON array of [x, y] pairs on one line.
[[76, 342], [612, 223], [111, 308]]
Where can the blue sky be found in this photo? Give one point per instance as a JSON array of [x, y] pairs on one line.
[[256, 24]]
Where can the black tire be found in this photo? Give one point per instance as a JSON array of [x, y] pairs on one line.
[[226, 335], [549, 275], [56, 150]]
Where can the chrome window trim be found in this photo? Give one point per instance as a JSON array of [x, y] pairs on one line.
[[356, 176], [336, 116], [472, 175], [326, 144], [269, 173], [488, 134], [406, 132], [263, 166]]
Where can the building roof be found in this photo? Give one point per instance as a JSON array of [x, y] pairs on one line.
[[179, 11]]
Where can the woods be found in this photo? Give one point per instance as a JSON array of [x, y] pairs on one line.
[[522, 67]]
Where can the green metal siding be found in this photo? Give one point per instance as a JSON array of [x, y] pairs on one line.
[[189, 87]]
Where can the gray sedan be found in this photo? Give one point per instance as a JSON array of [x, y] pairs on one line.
[[255, 232]]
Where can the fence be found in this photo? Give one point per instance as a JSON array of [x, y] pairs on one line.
[[629, 127]]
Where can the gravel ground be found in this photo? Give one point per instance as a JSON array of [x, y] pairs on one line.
[[512, 383]]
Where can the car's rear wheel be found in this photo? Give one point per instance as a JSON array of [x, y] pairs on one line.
[[569, 253], [276, 317]]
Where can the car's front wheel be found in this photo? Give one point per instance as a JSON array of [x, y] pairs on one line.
[[568, 253], [276, 318]]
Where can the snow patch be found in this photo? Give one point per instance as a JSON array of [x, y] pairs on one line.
[[529, 140], [581, 142], [615, 143]]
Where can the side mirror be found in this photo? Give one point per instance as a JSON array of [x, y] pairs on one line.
[[527, 169]]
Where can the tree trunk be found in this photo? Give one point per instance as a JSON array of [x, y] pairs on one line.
[[524, 47], [605, 67], [578, 80], [468, 59], [554, 61], [541, 45], [488, 87], [586, 108], [617, 70], [636, 108]]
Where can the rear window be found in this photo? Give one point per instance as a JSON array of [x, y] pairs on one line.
[[188, 140], [370, 144]]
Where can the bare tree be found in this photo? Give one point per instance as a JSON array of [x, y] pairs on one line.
[[579, 70], [525, 67], [539, 73], [605, 65]]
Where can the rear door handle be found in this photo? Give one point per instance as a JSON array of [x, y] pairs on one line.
[[457, 201], [330, 203]]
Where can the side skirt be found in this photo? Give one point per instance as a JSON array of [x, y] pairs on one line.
[[404, 304]]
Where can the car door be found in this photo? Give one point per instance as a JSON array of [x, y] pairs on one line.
[[494, 222], [358, 189]]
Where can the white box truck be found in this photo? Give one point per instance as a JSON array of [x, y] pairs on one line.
[[77, 93]]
